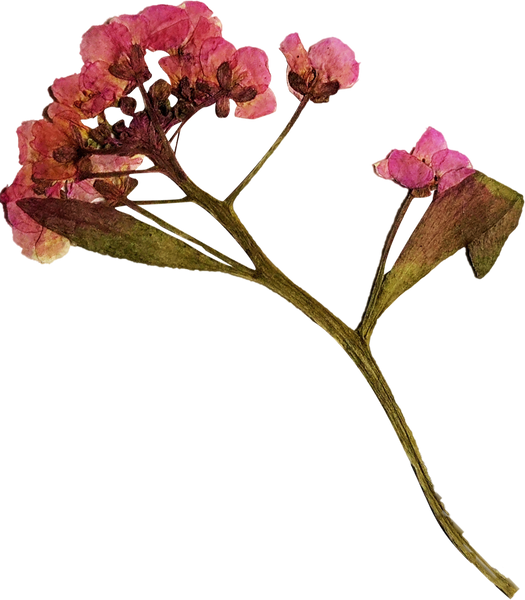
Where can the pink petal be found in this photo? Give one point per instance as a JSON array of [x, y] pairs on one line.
[[45, 246], [167, 35], [138, 27], [262, 105], [379, 169], [452, 166], [102, 88], [25, 134], [214, 52], [66, 90], [106, 42], [451, 160], [452, 178], [250, 69], [36, 242], [111, 162], [198, 12], [408, 170], [296, 55], [334, 61], [431, 141]]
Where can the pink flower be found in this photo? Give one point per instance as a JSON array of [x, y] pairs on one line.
[[121, 43], [327, 67], [90, 89], [220, 74], [49, 151], [430, 164], [114, 64]]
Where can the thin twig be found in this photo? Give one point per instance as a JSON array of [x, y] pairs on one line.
[[367, 323]]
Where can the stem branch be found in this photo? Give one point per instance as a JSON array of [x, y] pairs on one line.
[[231, 198], [368, 320], [359, 352]]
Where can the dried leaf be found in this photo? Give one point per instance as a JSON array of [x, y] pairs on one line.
[[107, 231], [483, 252], [479, 213]]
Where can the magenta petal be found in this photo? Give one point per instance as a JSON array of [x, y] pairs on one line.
[[292, 47], [449, 160], [252, 67], [431, 141], [408, 170], [452, 166], [106, 42], [379, 169], [167, 26], [452, 178], [261, 107], [335, 59], [214, 52]]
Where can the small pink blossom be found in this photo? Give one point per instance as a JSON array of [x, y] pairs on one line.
[[221, 74], [91, 91], [122, 41], [327, 67], [39, 143], [429, 165]]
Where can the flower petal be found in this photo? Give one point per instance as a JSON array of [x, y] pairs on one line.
[[334, 61], [381, 169], [431, 141], [451, 159], [296, 55], [409, 171], [250, 69], [262, 105], [214, 52], [452, 166]]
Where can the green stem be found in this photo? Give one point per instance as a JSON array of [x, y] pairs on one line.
[[368, 320], [268, 275], [162, 201], [349, 340], [359, 352], [231, 198]]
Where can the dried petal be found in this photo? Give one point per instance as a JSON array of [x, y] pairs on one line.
[[430, 164], [327, 67]]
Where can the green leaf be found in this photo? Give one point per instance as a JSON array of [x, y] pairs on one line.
[[108, 231], [478, 213], [483, 251]]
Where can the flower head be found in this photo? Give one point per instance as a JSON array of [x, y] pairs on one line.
[[56, 164], [327, 67], [430, 164]]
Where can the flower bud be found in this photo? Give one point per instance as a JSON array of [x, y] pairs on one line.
[[224, 76], [160, 91]]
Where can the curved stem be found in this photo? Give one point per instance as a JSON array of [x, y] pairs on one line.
[[358, 350], [368, 321], [270, 276], [231, 198]]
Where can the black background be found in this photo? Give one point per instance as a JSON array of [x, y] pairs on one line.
[[225, 390]]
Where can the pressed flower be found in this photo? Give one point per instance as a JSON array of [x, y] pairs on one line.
[[54, 162], [242, 76], [429, 165], [221, 74], [179, 29], [119, 45], [91, 91], [327, 67]]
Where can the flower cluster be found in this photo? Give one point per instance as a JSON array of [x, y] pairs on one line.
[[62, 157], [430, 165], [190, 37]]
